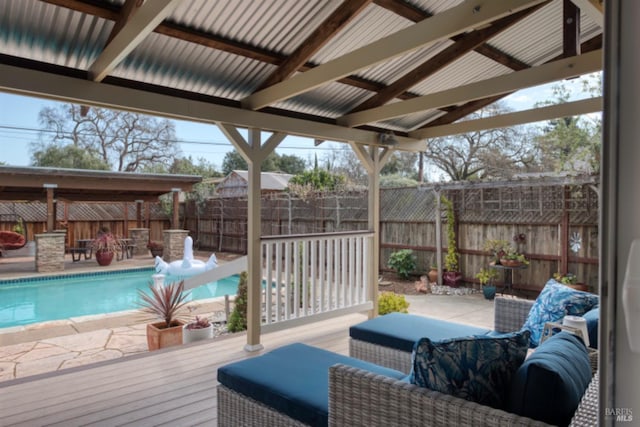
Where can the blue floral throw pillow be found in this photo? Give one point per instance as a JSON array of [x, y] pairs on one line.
[[554, 302], [477, 368]]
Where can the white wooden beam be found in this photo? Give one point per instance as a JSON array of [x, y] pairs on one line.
[[550, 112], [79, 91], [553, 71], [144, 21], [458, 19], [594, 9]]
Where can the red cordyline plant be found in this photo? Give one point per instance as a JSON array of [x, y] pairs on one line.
[[165, 302], [199, 323]]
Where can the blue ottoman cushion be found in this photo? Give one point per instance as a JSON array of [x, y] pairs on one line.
[[551, 382], [593, 316], [293, 380], [401, 331]]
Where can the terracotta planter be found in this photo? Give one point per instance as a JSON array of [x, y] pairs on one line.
[[104, 258], [433, 276], [158, 336], [192, 335], [579, 287], [510, 262], [452, 278]]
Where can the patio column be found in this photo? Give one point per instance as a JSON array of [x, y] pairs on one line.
[[139, 213], [254, 152], [373, 158], [175, 220], [51, 213]]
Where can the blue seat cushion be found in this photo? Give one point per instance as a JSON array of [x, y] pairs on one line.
[[293, 380], [477, 368], [401, 331], [550, 384], [593, 317]]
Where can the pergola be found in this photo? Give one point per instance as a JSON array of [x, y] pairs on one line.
[[73, 185], [379, 75]]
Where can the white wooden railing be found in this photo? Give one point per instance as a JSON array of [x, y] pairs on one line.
[[314, 276]]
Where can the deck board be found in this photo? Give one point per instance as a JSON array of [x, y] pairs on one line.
[[174, 387]]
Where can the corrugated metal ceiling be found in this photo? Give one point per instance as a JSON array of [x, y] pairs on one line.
[[57, 35]]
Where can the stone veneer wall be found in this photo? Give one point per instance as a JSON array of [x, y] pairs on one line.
[[49, 252], [140, 238], [173, 244]]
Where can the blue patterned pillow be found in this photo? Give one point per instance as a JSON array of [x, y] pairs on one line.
[[476, 368], [554, 302]]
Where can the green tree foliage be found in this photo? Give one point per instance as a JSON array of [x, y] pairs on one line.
[[572, 144], [238, 318], [66, 156], [274, 162], [318, 180], [187, 166], [126, 141]]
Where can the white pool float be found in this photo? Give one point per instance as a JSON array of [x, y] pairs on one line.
[[187, 266]]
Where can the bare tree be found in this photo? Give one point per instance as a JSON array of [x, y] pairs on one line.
[[126, 141], [493, 153]]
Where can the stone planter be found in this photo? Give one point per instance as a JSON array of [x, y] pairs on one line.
[[192, 335], [158, 336], [156, 252]]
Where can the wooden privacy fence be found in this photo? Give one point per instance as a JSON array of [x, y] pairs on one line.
[[554, 215]]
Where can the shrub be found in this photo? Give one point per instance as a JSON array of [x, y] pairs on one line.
[[238, 318], [403, 262], [389, 302]]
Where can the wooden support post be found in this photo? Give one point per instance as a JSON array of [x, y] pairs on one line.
[[570, 29], [125, 228], [51, 218], [564, 234], [175, 221], [147, 215], [139, 213], [438, 234]]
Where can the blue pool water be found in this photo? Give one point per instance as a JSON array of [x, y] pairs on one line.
[[30, 301]]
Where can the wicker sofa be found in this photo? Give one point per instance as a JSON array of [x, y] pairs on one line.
[[509, 315], [359, 397]]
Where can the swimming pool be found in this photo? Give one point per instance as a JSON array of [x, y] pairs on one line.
[[26, 301]]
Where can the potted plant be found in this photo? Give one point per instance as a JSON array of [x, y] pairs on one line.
[[513, 259], [452, 277], [165, 303], [198, 329], [570, 280], [105, 246], [156, 247], [485, 276], [498, 249]]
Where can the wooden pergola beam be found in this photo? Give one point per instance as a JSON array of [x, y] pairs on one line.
[[340, 17], [570, 29], [132, 33], [564, 68], [414, 14], [464, 110], [463, 45], [453, 21]]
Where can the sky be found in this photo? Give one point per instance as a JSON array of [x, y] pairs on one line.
[[19, 128]]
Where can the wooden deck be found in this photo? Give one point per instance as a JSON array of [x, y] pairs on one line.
[[173, 387]]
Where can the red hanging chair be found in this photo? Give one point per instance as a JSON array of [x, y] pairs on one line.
[[10, 240]]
